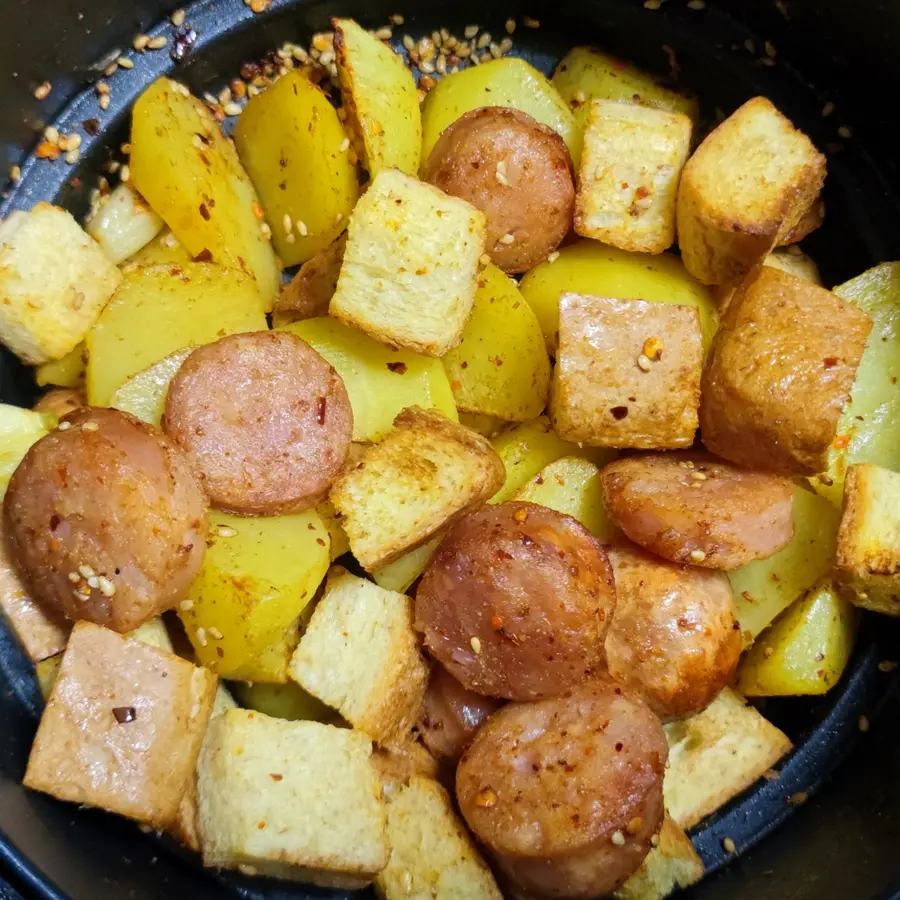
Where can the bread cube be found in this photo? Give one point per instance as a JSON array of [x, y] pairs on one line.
[[360, 655], [122, 728], [672, 863], [397, 765], [54, 282], [747, 187], [410, 267], [425, 474], [868, 543], [432, 854], [627, 373], [294, 800], [630, 167], [716, 755], [779, 373]]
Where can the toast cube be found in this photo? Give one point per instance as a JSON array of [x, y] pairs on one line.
[[779, 373], [628, 181], [360, 655], [627, 373], [54, 282], [292, 800], [868, 542], [716, 755], [745, 189], [122, 728], [410, 267], [432, 854], [397, 765], [672, 863], [425, 474]]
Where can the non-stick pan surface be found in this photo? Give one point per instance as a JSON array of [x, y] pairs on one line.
[[58, 851]]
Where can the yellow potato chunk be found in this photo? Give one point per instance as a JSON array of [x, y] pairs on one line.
[[507, 82], [144, 395], [500, 367], [190, 174], [401, 573], [486, 426], [19, 429], [242, 613], [806, 648], [165, 250], [161, 309], [381, 382], [381, 99], [572, 486], [65, 372], [589, 267], [586, 74], [292, 142], [282, 701], [766, 587]]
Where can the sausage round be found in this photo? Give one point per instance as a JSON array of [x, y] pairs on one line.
[[61, 401], [516, 601], [451, 715], [567, 793], [517, 172], [674, 636], [106, 519], [694, 509], [265, 421]]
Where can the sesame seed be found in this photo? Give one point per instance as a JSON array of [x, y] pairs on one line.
[[728, 845], [42, 91], [140, 42], [845, 132], [384, 34], [484, 41], [186, 605], [107, 588], [697, 556], [104, 101], [470, 31], [345, 145], [226, 531], [177, 18], [232, 109], [157, 43], [85, 571], [750, 45], [698, 476], [863, 724], [214, 633], [72, 157], [653, 348], [51, 134], [484, 260], [475, 644], [770, 49], [508, 239], [74, 577], [74, 141], [579, 97], [827, 109], [64, 426], [618, 839], [291, 238], [287, 223], [245, 869], [643, 363], [396, 19], [531, 22], [510, 26], [124, 62], [553, 257], [125, 174], [93, 582], [338, 218], [887, 665], [486, 799], [301, 228], [201, 637], [696, 4], [501, 173], [654, 841], [15, 173], [652, 4], [90, 426]]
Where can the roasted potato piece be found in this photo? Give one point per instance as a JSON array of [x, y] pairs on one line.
[[518, 172], [588, 267], [19, 429], [190, 174], [779, 373], [291, 141], [123, 223], [805, 649], [586, 74], [381, 99], [282, 701], [762, 589], [162, 309], [628, 180], [500, 367], [259, 575], [868, 430], [66, 372], [571, 485], [507, 82], [381, 382], [747, 185], [311, 289], [486, 426], [144, 394], [60, 401], [165, 250], [401, 573]]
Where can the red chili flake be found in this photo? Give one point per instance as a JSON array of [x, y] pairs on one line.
[[203, 256], [275, 777], [830, 362], [124, 714], [641, 193], [321, 403], [497, 622], [204, 211], [619, 412], [91, 126], [841, 442], [54, 522], [398, 368]]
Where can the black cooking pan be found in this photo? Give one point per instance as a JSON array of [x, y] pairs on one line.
[[841, 844]]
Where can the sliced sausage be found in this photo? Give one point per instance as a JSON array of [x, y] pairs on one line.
[[567, 793], [61, 401], [674, 637], [106, 519], [451, 715], [266, 422], [517, 172], [692, 508], [516, 601]]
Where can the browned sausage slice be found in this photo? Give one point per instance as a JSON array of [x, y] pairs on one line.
[[567, 792], [692, 508], [674, 637], [265, 421], [517, 172], [516, 601], [106, 519], [451, 715]]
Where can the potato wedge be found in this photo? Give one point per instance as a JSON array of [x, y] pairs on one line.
[[589, 267], [501, 366], [65, 372], [868, 430], [486, 426], [381, 382], [144, 394], [282, 701], [161, 309], [508, 82], [401, 573], [571, 485], [805, 649], [585, 74], [381, 99], [766, 587], [291, 141], [259, 575], [190, 174], [19, 429], [165, 250], [340, 543]]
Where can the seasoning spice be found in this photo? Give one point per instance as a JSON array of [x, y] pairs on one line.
[[124, 714]]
